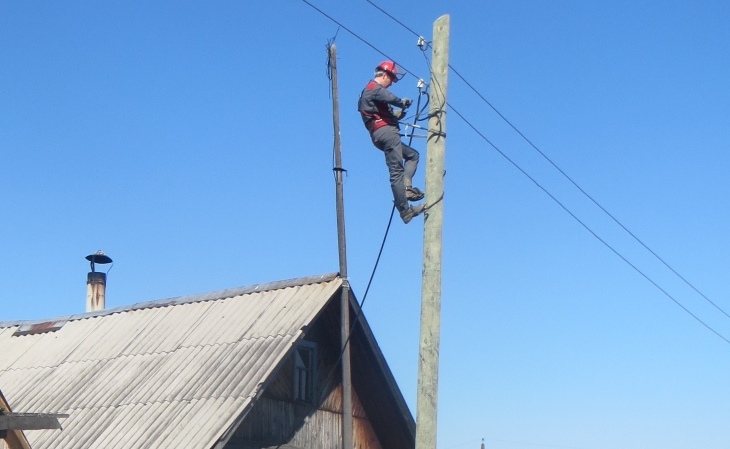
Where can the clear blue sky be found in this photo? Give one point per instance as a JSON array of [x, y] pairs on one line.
[[191, 141]]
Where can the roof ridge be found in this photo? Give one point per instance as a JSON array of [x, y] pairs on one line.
[[176, 300]]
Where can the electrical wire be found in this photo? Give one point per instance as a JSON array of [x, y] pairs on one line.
[[396, 20], [541, 187], [438, 110], [356, 320], [586, 226], [593, 200], [356, 36]]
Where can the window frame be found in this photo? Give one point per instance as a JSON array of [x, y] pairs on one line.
[[310, 388]]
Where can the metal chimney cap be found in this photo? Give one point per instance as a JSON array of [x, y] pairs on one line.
[[99, 257]]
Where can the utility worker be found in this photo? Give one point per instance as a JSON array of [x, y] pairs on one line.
[[375, 106]]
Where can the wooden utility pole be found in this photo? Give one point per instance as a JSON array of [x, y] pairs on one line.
[[345, 299], [428, 354]]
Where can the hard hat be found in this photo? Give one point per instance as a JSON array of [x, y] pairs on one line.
[[389, 68]]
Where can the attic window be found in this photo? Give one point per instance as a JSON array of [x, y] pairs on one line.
[[305, 371]]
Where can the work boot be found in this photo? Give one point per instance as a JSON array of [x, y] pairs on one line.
[[412, 211], [414, 194]]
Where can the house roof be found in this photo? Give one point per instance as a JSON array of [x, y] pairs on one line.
[[164, 374]]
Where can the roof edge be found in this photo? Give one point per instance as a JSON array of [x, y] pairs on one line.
[[210, 296]]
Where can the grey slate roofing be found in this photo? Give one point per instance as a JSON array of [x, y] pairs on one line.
[[163, 374]]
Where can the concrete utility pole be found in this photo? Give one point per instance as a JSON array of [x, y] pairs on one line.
[[345, 299], [428, 355]]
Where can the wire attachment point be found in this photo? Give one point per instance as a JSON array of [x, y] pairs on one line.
[[437, 133], [438, 200]]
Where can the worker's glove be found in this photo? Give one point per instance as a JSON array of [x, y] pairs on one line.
[[406, 102], [399, 113]]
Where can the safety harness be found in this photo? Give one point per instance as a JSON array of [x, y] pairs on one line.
[[375, 120]]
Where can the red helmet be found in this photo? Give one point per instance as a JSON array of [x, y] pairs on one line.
[[389, 68]]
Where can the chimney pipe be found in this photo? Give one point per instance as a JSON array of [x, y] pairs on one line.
[[96, 282]]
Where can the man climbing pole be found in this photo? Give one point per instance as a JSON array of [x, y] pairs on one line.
[[381, 120]]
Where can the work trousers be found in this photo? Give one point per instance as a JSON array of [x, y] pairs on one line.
[[401, 160]]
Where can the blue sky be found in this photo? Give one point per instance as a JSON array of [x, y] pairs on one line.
[[192, 143]]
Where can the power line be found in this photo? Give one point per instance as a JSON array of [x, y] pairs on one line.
[[562, 172], [398, 21], [587, 195], [540, 186], [356, 36], [585, 225]]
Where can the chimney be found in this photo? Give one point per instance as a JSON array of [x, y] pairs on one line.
[[96, 282]]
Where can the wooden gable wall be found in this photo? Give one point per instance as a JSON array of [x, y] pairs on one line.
[[276, 420]]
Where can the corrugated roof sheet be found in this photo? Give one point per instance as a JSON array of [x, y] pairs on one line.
[[161, 374]]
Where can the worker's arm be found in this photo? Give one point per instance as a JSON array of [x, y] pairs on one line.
[[384, 95]]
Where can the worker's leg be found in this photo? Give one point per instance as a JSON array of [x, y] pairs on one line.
[[389, 142], [411, 163]]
